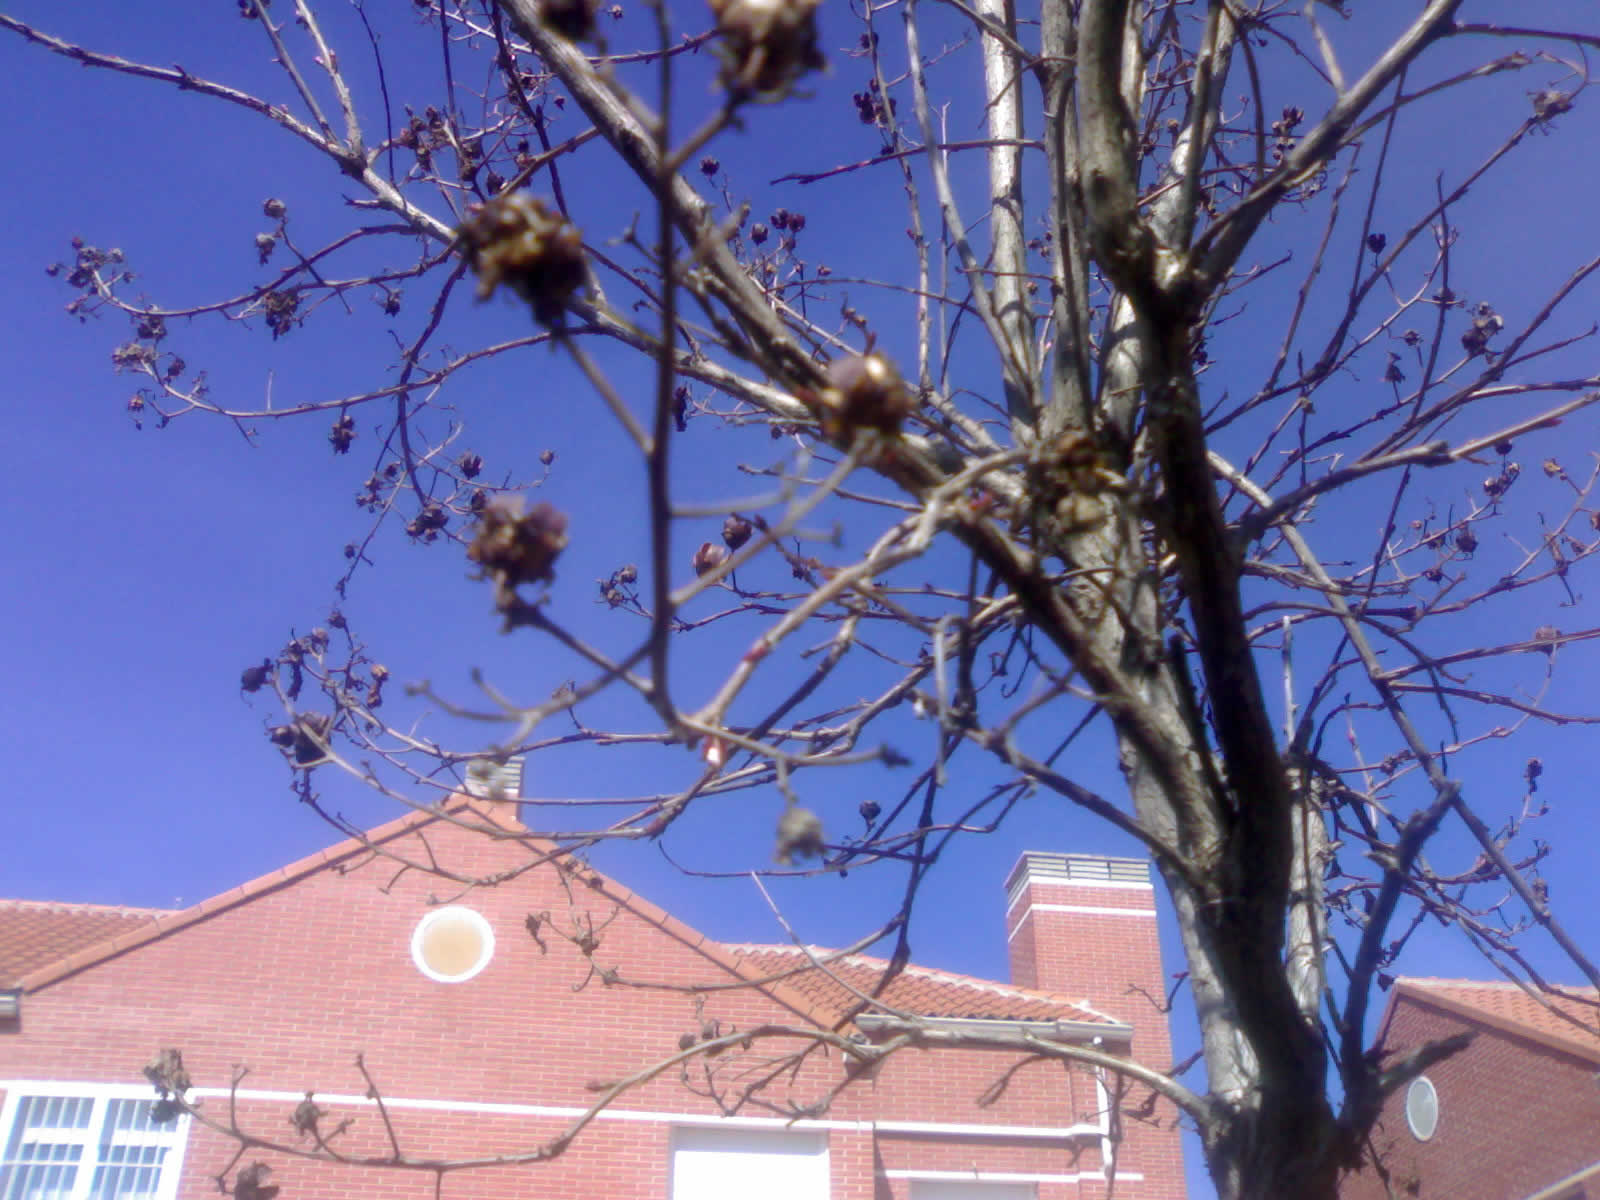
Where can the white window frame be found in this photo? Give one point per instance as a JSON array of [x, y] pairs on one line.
[[803, 1154], [972, 1189], [93, 1137]]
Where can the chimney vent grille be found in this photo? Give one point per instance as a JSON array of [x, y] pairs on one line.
[[495, 781], [1037, 867]]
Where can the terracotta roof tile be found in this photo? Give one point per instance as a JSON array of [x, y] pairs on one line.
[[1568, 1018], [918, 990], [34, 933]]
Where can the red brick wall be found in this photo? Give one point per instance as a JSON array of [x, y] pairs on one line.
[[298, 979], [1100, 945], [1514, 1117]]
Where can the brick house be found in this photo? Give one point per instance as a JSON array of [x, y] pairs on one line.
[[434, 1023], [1514, 1116]]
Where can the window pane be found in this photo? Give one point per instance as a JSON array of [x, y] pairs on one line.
[[85, 1148], [127, 1171], [39, 1171], [131, 1116], [49, 1113]]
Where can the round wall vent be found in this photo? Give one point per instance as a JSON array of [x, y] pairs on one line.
[[452, 944], [1422, 1109]]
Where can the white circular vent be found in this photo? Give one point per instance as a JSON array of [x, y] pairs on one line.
[[452, 944], [1422, 1109]]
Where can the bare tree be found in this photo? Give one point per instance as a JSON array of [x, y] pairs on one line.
[[1090, 489]]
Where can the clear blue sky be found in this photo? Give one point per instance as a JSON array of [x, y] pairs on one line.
[[146, 568]]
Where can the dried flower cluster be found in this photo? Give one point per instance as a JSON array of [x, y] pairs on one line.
[[1485, 324], [517, 241], [1066, 476], [342, 434], [572, 19], [799, 835], [251, 1183], [304, 740], [864, 391], [515, 547], [766, 44]]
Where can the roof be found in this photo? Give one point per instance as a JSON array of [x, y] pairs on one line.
[[1566, 1019], [919, 990], [42, 942], [51, 947], [48, 949], [35, 933]]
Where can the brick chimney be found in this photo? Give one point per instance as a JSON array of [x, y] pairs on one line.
[[1084, 926], [497, 787]]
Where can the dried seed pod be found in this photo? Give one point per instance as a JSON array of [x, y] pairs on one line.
[[253, 679], [167, 1073], [307, 1116], [736, 531], [516, 241], [766, 44], [250, 1183], [1485, 324], [342, 434], [709, 557], [864, 392], [427, 523], [303, 741], [799, 835], [514, 547], [1067, 476], [572, 19]]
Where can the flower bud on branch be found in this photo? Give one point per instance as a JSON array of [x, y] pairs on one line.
[[516, 241], [766, 44]]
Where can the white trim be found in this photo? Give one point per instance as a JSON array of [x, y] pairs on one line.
[[867, 962], [1088, 910], [1017, 899], [1110, 885], [1108, 1148], [987, 1027], [622, 1114], [556, 1111], [1093, 910], [1006, 1131], [174, 1137], [914, 1173], [1555, 1190], [490, 1108], [1422, 1087]]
